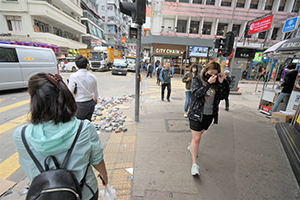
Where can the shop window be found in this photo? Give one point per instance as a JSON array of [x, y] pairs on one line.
[[170, 0], [254, 4], [274, 34], [183, 1], [194, 28], [222, 29], [197, 1], [206, 28], [236, 29], [282, 4], [210, 2], [14, 23], [240, 3], [269, 4], [262, 35], [181, 26], [226, 3], [296, 6]]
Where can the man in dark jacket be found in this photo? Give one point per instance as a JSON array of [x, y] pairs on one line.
[[165, 78], [288, 84]]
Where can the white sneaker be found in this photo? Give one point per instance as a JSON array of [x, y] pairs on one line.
[[185, 115], [189, 149], [195, 170]]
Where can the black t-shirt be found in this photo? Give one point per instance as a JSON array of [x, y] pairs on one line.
[[288, 82]]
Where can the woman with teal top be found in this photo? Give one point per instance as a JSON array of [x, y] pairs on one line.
[[52, 129]]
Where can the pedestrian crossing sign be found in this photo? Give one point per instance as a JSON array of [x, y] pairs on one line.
[[258, 57]]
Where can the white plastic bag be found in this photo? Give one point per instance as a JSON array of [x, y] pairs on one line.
[[108, 193]]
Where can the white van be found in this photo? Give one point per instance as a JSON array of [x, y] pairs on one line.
[[19, 63], [70, 65]]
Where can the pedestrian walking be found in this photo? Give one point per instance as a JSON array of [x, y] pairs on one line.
[[262, 74], [187, 79], [229, 80], [165, 78], [149, 70], [287, 84], [51, 132], [83, 85], [207, 91], [158, 70]]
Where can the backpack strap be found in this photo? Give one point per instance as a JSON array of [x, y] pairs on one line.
[[83, 182], [64, 164], [36, 162]]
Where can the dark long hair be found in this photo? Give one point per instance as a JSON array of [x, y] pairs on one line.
[[212, 65], [50, 102]]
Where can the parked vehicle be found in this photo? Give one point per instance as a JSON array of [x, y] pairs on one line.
[[131, 63], [101, 58], [19, 63], [70, 64], [119, 67]]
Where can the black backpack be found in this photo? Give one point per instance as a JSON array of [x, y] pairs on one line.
[[54, 184]]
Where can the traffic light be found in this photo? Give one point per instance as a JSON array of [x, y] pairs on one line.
[[185, 55], [228, 47], [137, 10]]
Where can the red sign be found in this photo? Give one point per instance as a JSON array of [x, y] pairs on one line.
[[260, 25], [123, 39], [181, 53]]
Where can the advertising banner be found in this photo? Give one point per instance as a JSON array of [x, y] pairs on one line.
[[261, 25]]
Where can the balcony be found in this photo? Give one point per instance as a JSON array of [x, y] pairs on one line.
[[92, 18], [54, 16], [219, 12], [69, 4], [46, 38]]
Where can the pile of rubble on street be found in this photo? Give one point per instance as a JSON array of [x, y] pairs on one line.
[[107, 116]]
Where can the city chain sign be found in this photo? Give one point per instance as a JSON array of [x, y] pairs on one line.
[[172, 50], [261, 25]]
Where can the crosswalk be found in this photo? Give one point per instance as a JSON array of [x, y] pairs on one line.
[[9, 157]]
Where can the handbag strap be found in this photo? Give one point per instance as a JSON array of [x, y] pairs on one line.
[[64, 164], [36, 162]]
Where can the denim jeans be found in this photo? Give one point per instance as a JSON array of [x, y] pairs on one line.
[[279, 99], [188, 99]]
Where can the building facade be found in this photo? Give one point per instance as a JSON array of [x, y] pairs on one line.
[[193, 25], [115, 23], [53, 22], [94, 24]]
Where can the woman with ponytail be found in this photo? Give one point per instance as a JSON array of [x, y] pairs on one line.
[[52, 130], [207, 91]]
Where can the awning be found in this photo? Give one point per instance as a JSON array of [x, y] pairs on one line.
[[273, 48], [291, 45]]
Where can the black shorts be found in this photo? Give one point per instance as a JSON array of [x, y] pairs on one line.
[[199, 126]]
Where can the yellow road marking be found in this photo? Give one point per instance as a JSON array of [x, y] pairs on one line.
[[9, 166], [5, 108], [1, 99], [129, 74], [154, 96], [106, 72], [13, 123]]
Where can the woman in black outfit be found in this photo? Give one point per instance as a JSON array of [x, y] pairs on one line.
[[207, 91]]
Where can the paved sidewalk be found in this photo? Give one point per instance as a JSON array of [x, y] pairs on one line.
[[240, 158]]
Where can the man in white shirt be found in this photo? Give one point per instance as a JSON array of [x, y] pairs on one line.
[[83, 85]]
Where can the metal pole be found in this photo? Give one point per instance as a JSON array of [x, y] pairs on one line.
[[181, 66], [186, 53], [232, 61], [137, 73]]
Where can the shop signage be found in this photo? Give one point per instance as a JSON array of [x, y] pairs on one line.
[[261, 25], [123, 39], [96, 43], [290, 24], [258, 57], [174, 50], [148, 11], [244, 53]]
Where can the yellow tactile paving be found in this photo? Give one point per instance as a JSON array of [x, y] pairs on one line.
[[119, 154]]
